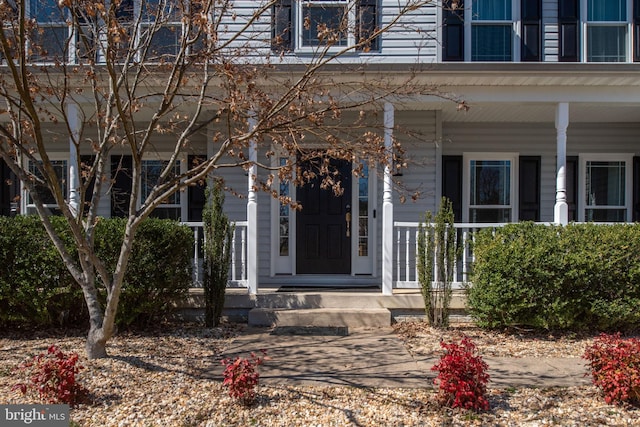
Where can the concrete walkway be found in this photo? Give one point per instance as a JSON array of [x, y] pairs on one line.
[[378, 358]]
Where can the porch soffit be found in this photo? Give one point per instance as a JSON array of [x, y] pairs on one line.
[[542, 113], [505, 74]]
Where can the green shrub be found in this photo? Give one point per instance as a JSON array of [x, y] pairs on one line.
[[35, 286], [435, 241], [158, 274], [36, 289], [578, 276], [218, 234]]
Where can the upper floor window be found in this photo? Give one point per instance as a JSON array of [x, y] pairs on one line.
[[49, 40], [597, 30], [308, 24], [156, 29], [324, 22], [161, 29], [607, 30], [491, 30]]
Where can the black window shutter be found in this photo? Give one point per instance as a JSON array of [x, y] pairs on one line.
[[282, 26], [636, 189], [367, 23], [568, 17], [88, 194], [636, 30], [452, 183], [196, 193], [124, 11], [453, 31], [5, 197], [121, 185], [571, 174], [531, 25], [529, 188]]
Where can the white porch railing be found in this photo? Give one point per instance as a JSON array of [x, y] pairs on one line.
[[238, 270], [405, 270]]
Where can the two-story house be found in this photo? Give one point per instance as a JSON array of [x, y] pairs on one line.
[[552, 133]]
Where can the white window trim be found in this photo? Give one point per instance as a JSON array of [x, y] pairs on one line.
[[30, 207], [72, 54], [145, 24], [516, 26], [282, 264], [364, 265], [584, 24], [298, 23], [604, 157], [62, 24], [183, 205], [466, 180]]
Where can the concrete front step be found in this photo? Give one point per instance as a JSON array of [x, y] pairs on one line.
[[320, 317]]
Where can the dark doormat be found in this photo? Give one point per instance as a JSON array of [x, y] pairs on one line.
[[341, 331], [363, 288]]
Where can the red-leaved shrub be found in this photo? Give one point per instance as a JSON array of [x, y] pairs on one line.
[[241, 377], [462, 376], [615, 368], [52, 375]]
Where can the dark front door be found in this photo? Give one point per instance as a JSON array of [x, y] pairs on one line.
[[323, 236]]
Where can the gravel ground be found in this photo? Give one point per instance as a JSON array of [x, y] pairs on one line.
[[163, 379]]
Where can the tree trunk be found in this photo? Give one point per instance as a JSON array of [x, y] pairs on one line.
[[96, 346]]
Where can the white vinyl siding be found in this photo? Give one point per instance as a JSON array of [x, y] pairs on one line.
[[420, 175], [550, 30]]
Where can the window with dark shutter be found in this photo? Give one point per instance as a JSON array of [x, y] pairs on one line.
[[86, 162], [282, 28], [529, 191], [568, 20], [452, 183], [366, 24], [122, 183], [571, 174], [531, 26], [9, 190], [636, 189], [636, 30], [453, 30], [196, 193]]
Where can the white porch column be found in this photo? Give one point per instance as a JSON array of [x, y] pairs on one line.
[[252, 217], [561, 209], [75, 124], [387, 204]]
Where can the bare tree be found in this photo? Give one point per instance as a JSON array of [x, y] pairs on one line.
[[106, 78]]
